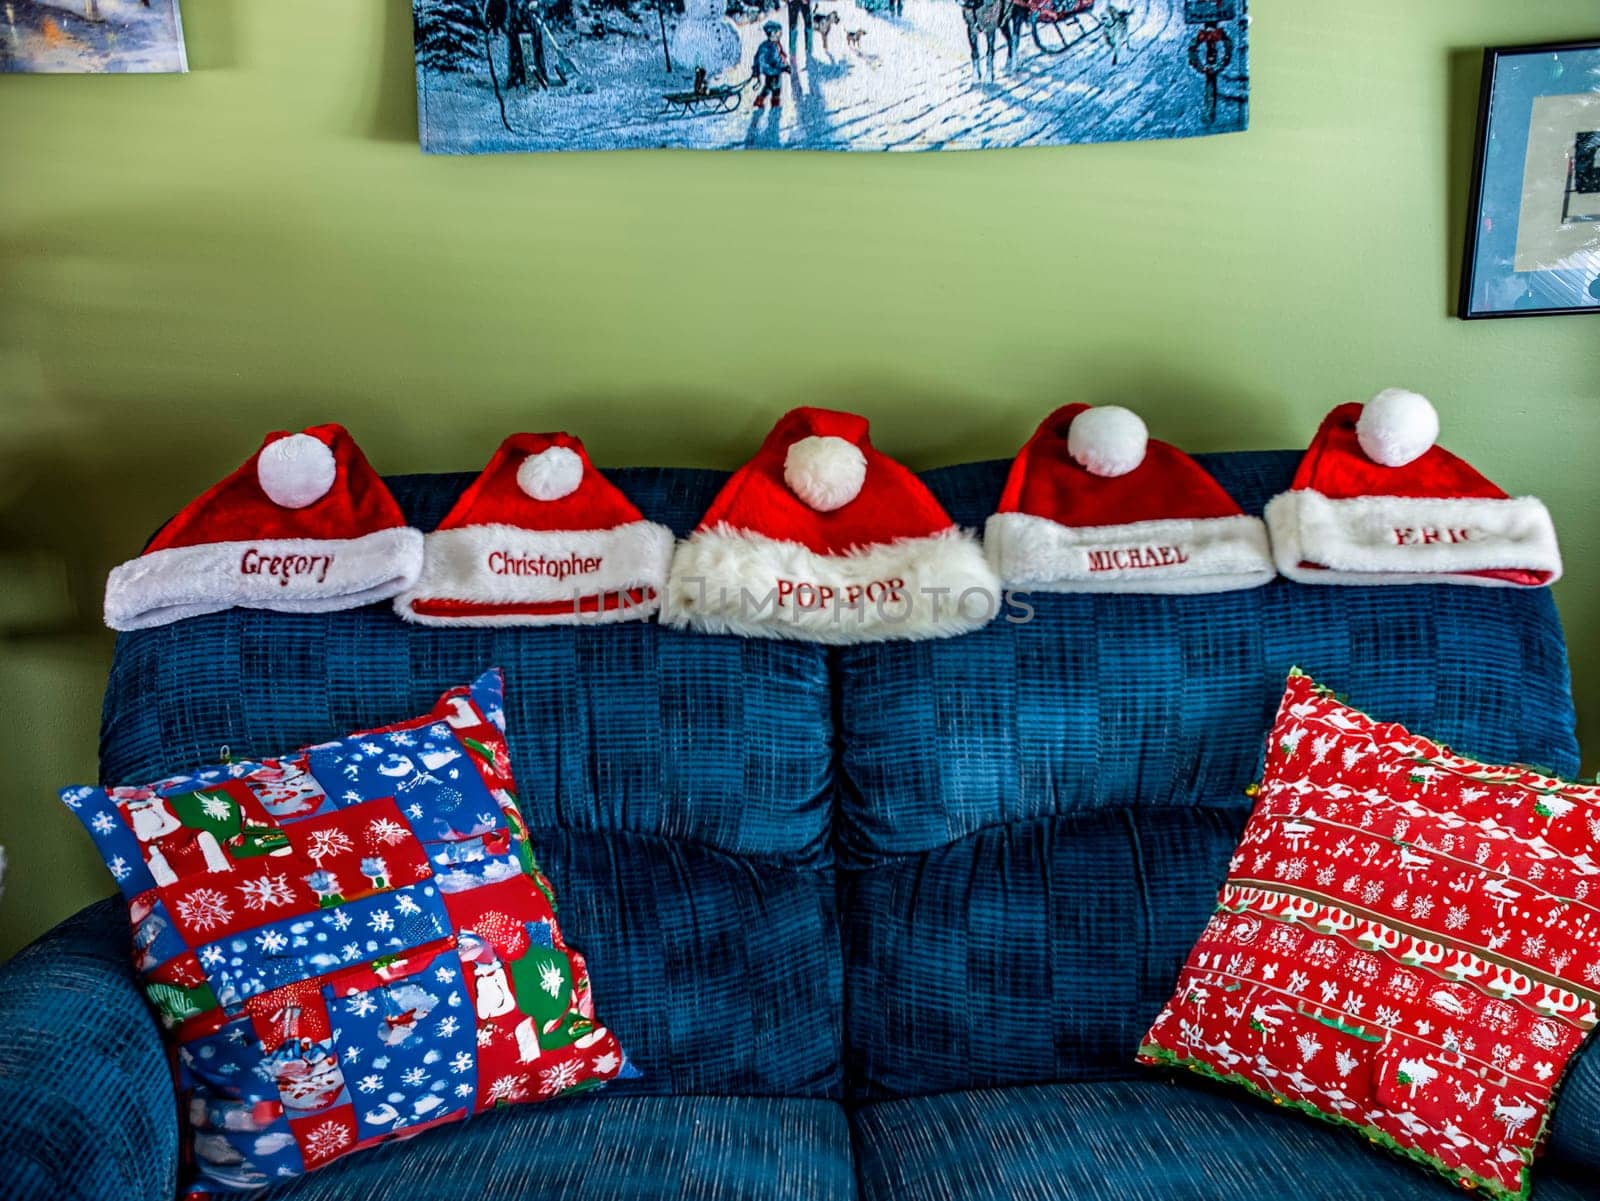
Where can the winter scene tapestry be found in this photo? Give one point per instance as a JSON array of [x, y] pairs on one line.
[[508, 75], [75, 37]]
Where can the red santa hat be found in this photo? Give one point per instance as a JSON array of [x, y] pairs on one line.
[[1375, 501], [305, 525], [822, 537], [540, 538], [1092, 504]]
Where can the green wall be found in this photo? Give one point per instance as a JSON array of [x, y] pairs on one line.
[[187, 262]]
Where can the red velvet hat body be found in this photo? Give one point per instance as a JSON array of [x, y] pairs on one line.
[[238, 509], [848, 546], [574, 550], [1163, 527], [495, 497], [347, 544], [893, 502], [1349, 519], [1046, 480], [1336, 466]]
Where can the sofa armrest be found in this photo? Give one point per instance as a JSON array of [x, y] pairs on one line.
[[87, 1109]]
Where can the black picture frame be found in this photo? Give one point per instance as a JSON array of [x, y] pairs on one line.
[[1493, 58]]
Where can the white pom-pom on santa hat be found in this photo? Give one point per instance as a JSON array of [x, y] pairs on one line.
[[1108, 440], [296, 470], [825, 472], [551, 474], [1397, 427]]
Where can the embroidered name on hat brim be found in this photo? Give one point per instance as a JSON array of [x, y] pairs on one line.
[[726, 581], [306, 575], [507, 575], [1176, 556], [1396, 539]]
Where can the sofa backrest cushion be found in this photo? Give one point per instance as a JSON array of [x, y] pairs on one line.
[[1035, 818], [678, 789]]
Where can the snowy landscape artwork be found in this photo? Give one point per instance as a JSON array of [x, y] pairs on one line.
[[72, 37], [509, 75]]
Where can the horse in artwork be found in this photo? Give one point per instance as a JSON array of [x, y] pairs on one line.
[[985, 20]]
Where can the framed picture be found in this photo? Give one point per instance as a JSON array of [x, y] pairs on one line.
[[76, 37], [858, 75], [1533, 224]]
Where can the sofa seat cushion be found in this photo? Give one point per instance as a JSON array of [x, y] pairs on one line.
[[605, 1147], [1132, 1141]]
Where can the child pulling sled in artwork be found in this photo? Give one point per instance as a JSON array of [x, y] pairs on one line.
[[770, 67]]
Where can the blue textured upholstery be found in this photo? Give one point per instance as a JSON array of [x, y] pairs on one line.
[[1575, 1132], [1025, 953], [609, 1149], [1134, 1141], [719, 975], [1029, 824], [1037, 815]]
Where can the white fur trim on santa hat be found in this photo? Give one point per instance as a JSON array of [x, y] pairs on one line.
[[296, 470], [508, 565], [306, 575], [1108, 440], [1408, 540], [1397, 427], [825, 472], [730, 581], [1168, 556]]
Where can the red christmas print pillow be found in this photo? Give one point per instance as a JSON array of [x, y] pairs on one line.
[[1406, 943], [348, 944]]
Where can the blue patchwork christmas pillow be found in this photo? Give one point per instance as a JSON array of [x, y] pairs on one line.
[[349, 943]]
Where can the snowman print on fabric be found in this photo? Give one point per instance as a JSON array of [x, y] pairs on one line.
[[409, 1044], [403, 1008], [491, 984], [240, 1129], [186, 832], [287, 789], [307, 1073], [531, 999], [152, 820]]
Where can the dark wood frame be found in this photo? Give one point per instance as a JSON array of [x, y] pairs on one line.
[[1491, 60]]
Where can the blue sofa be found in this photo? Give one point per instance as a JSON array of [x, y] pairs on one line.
[[880, 921]]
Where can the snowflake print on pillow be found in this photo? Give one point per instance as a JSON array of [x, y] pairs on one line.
[[1408, 942], [350, 943]]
